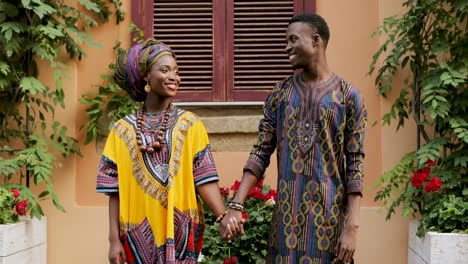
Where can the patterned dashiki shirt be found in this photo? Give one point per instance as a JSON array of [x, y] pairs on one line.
[[161, 218], [318, 133]]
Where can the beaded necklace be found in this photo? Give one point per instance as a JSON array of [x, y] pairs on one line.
[[156, 144]]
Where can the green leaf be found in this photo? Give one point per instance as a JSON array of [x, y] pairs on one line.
[[25, 3], [42, 9], [90, 5], [51, 32], [465, 191], [43, 194], [440, 98], [9, 28], [4, 68], [31, 85], [9, 9]]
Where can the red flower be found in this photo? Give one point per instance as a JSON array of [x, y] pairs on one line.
[[258, 194], [233, 260], [418, 178], [250, 195], [255, 193], [235, 186], [259, 184], [224, 192], [21, 207], [245, 216], [15, 192], [272, 194], [426, 170], [431, 162], [227, 261], [433, 185]]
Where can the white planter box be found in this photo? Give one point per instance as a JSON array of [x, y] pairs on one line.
[[436, 248], [24, 242]]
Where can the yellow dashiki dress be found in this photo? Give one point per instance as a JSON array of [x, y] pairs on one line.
[[161, 217], [318, 134]]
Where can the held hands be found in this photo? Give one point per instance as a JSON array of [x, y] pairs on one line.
[[346, 245], [232, 225]]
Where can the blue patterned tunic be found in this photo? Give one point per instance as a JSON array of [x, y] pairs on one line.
[[318, 133]]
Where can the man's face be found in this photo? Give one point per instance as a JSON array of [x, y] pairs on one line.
[[300, 44]]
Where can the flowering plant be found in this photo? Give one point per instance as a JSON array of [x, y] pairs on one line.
[[11, 206], [427, 42], [252, 246], [429, 192]]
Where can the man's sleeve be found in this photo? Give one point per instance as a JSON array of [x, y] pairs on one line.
[[266, 143], [356, 118]]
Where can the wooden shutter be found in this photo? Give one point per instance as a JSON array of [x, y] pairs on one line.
[[227, 50], [188, 27], [258, 59]]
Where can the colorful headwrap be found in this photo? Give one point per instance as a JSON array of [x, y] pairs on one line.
[[132, 66]]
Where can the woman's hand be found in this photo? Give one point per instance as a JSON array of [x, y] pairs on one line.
[[117, 252]]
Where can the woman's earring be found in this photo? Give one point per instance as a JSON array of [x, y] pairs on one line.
[[147, 87]]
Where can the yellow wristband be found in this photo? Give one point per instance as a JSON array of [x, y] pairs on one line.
[[221, 216]]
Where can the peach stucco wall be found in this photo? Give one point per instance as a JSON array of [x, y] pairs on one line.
[[80, 234]]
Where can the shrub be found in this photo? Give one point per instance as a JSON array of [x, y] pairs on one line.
[[252, 246]]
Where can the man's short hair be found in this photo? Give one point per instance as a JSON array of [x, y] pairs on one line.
[[316, 22]]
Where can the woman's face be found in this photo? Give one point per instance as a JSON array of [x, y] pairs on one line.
[[164, 77]]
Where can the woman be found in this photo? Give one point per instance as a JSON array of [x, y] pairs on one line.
[[154, 164]]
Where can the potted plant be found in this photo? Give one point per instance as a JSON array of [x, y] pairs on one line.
[[21, 241], [430, 183], [252, 246], [31, 138]]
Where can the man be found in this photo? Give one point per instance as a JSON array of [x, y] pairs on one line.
[[315, 120]]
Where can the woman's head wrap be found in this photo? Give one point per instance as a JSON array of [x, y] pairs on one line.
[[133, 65]]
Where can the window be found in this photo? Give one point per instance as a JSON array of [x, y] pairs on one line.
[[227, 50]]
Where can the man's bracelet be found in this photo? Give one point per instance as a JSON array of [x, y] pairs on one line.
[[236, 206]]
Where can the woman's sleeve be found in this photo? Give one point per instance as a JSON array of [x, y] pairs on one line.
[[107, 175], [204, 168]]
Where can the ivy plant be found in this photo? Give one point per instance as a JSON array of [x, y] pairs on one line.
[[111, 103], [31, 137], [431, 41]]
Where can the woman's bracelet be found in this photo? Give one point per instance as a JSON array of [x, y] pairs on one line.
[[221, 216]]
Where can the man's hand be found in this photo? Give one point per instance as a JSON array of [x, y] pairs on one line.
[[347, 242], [346, 245], [117, 253]]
